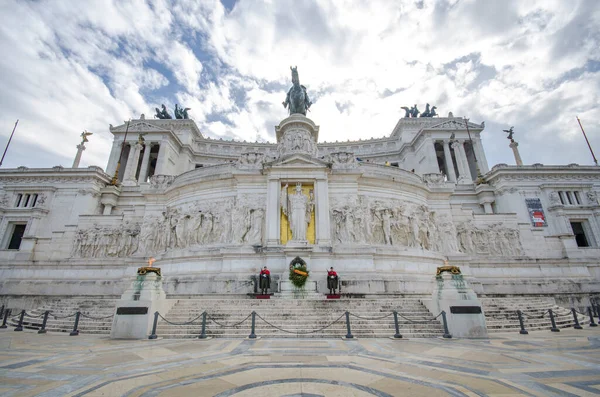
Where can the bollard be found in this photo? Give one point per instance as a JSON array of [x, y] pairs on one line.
[[598, 313], [153, 334], [6, 314], [446, 332], [397, 336], [20, 326], [1, 310], [523, 331], [203, 333], [43, 329], [576, 326], [252, 334], [349, 334], [592, 323], [553, 329], [75, 331]]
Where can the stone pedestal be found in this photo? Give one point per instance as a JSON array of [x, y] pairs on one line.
[[464, 311], [134, 314], [289, 291]]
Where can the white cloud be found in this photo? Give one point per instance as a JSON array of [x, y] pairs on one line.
[[87, 64]]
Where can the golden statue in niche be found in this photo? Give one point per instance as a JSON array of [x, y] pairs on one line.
[[297, 213]]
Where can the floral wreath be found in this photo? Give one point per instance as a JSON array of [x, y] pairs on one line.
[[298, 272]]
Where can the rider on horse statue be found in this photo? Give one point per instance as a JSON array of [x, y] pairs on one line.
[[297, 98]]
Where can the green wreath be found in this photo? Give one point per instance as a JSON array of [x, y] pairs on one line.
[[299, 280]]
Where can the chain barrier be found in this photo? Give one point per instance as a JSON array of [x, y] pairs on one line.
[[371, 318], [422, 318], [535, 317], [185, 323], [62, 317], [96, 318], [32, 316], [298, 332], [225, 325]]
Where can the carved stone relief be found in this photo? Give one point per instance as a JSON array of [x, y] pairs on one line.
[[391, 222], [251, 160], [495, 239], [343, 160], [297, 140], [98, 241]]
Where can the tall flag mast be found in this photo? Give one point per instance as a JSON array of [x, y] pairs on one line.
[[10, 139], [585, 136]]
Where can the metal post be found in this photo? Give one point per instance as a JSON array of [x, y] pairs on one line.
[[397, 336], [523, 331], [203, 333], [349, 334], [43, 329], [576, 326], [75, 331], [592, 323], [446, 332], [7, 313], [20, 326], [153, 334], [252, 334], [598, 313], [553, 329], [1, 310]]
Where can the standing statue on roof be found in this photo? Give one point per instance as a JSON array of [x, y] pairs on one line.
[[297, 99]]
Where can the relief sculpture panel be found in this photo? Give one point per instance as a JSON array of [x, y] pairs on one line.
[[237, 220], [391, 222]]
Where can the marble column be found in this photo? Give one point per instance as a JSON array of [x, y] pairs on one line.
[[432, 163], [145, 163], [273, 212], [322, 216], [162, 158], [80, 149], [132, 163], [464, 176], [515, 148], [449, 163], [480, 153], [114, 157]]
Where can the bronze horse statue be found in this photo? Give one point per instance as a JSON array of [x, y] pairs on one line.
[[297, 99]]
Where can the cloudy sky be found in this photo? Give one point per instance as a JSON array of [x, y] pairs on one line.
[[74, 65]]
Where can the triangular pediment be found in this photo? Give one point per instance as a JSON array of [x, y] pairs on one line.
[[299, 161], [139, 126], [453, 125]]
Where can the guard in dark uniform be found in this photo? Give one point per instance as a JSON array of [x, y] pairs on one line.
[[332, 281], [264, 280]]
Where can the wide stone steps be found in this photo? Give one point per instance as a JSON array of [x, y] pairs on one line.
[[501, 314], [300, 318]]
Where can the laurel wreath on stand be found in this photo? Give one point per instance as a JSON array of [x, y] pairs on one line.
[[298, 273]]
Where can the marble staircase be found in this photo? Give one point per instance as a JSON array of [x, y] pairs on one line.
[[501, 313], [298, 316]]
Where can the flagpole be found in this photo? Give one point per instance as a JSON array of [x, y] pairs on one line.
[[10, 139], [584, 135]]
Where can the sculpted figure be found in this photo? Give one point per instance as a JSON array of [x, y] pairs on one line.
[[406, 111], [254, 235], [297, 98], [299, 212]]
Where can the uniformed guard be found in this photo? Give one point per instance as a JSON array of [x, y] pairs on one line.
[[264, 280], [332, 281]]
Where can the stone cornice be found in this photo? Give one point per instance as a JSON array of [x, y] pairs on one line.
[[24, 175], [551, 174]]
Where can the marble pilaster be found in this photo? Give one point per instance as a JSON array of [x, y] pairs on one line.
[[273, 212], [322, 215]]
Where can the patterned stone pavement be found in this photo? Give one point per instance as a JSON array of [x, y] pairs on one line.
[[539, 364]]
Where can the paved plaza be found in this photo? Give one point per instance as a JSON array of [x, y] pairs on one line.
[[539, 364]]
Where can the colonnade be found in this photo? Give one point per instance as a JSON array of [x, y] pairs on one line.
[[462, 161], [131, 163]]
